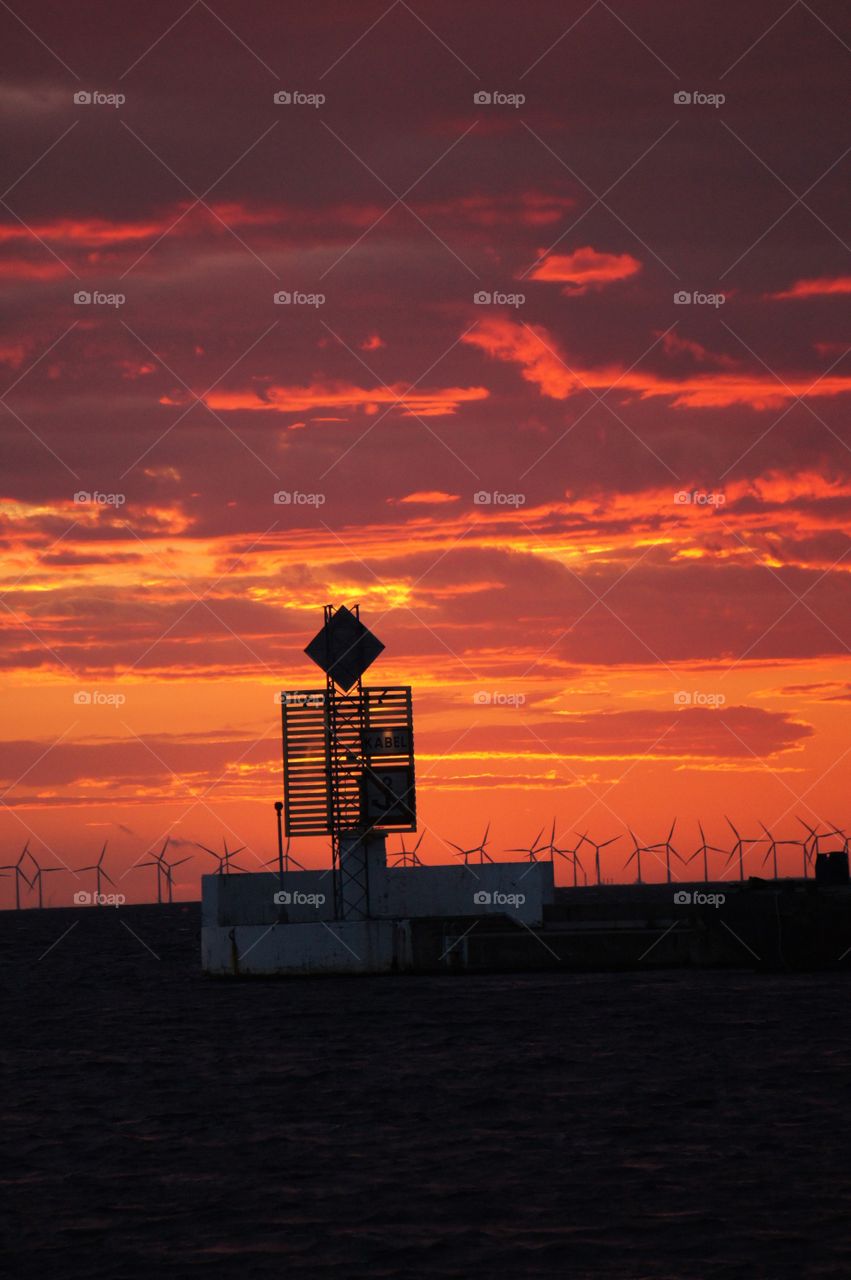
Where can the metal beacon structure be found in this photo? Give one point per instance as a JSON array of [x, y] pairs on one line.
[[348, 754]]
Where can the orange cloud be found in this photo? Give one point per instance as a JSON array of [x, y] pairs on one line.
[[585, 269], [822, 287], [536, 351], [427, 496], [444, 400]]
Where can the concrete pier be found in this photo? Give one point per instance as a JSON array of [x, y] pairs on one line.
[[271, 924], [509, 917]]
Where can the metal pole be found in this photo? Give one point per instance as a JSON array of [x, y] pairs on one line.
[[278, 810]]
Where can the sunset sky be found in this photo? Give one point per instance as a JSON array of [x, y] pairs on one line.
[[649, 615]]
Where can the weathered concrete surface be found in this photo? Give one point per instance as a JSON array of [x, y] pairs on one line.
[[302, 897], [518, 890], [263, 923]]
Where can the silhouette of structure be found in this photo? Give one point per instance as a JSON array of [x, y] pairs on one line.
[[100, 874], [738, 849], [665, 846], [480, 849], [408, 857], [226, 866], [285, 860], [348, 757], [17, 870], [703, 850], [535, 847], [773, 846], [157, 861], [597, 847], [165, 871], [38, 877], [637, 850]]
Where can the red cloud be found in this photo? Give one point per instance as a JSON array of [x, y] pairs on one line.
[[23, 269], [822, 287], [444, 400], [585, 269], [528, 209], [427, 497], [541, 363]]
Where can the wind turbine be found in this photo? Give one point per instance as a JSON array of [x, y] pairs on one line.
[[224, 862], [597, 847], [19, 873], [477, 848], [806, 856], [771, 851], [821, 835], [668, 850], [167, 870], [408, 857], [535, 848], [704, 849], [37, 878], [99, 871], [157, 861], [575, 858], [285, 859], [837, 831], [738, 848], [637, 851], [569, 855]]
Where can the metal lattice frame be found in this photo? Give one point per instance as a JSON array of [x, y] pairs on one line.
[[339, 783]]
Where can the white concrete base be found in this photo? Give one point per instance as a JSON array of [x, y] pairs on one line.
[[265, 924], [324, 947]]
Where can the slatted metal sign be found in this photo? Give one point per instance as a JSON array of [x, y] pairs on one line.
[[307, 763], [348, 760], [388, 744]]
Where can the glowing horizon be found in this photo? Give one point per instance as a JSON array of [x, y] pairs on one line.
[[558, 391]]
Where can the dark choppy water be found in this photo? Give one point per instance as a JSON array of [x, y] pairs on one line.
[[661, 1125]]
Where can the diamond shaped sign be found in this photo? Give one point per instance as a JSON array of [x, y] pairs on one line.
[[344, 648]]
